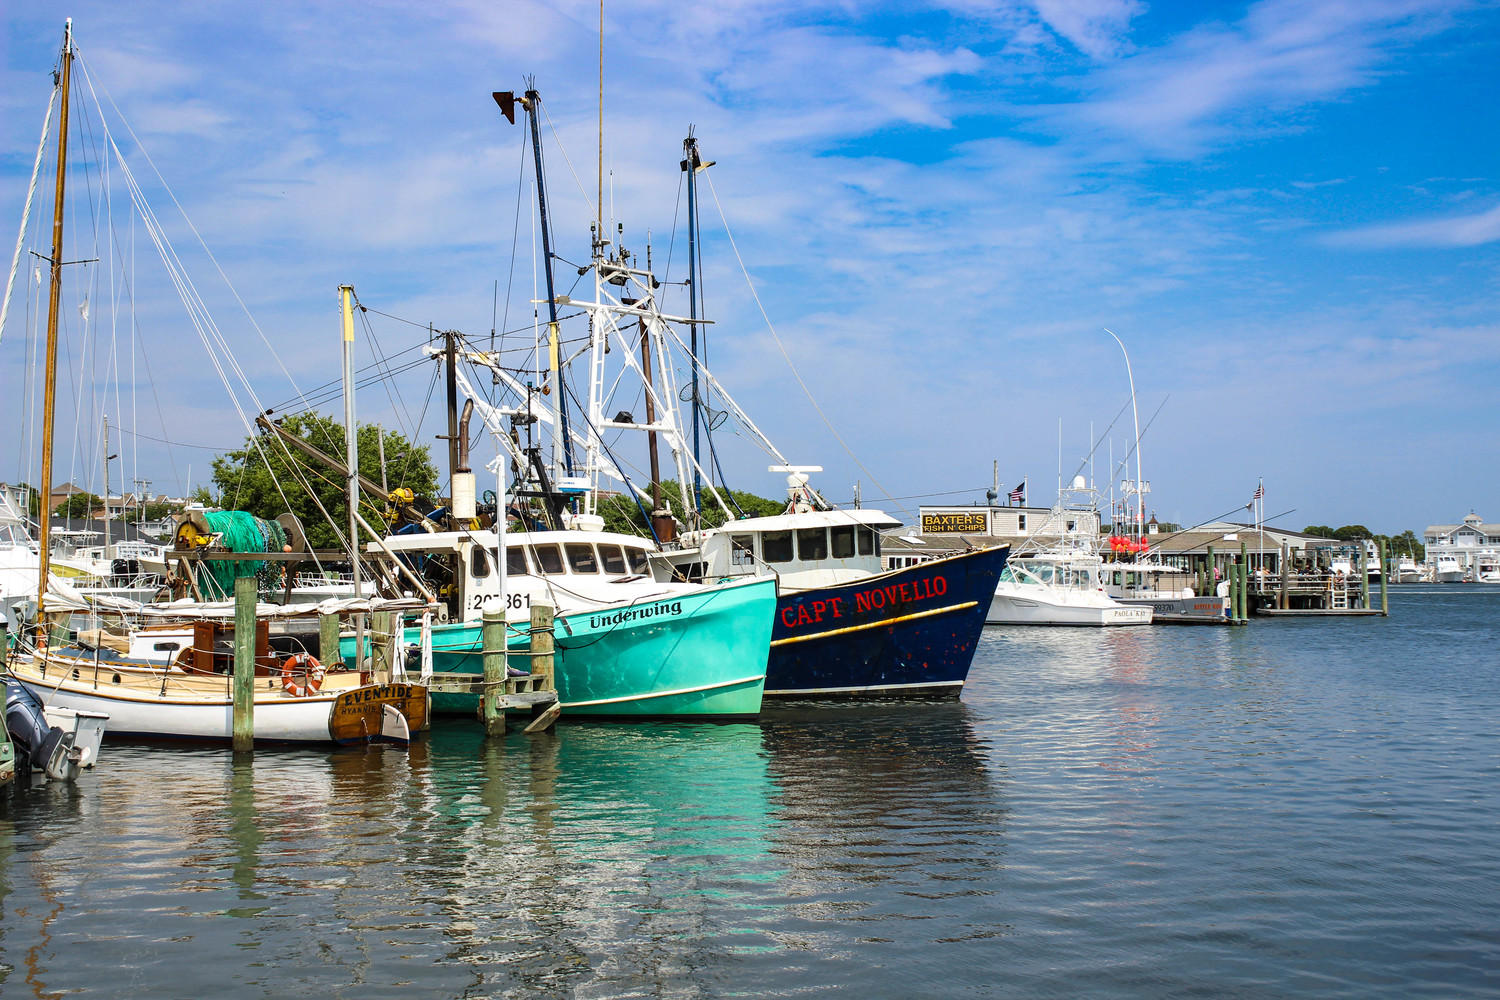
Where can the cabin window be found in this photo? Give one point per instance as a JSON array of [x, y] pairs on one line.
[[1072, 525], [741, 550], [581, 557], [866, 540], [613, 559], [515, 561], [479, 564], [776, 546], [842, 541], [639, 564], [548, 559], [812, 544]]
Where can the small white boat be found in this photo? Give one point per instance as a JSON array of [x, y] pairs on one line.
[[1447, 569], [1407, 570], [1487, 568], [1058, 589]]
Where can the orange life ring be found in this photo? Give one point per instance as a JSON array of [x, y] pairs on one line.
[[311, 670]]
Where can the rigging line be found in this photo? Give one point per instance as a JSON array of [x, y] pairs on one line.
[[515, 238], [175, 444], [201, 242], [336, 385], [387, 375], [1121, 466], [782, 348], [415, 449], [563, 150], [1104, 434], [15, 261]]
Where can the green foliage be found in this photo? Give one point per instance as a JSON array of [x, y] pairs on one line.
[[245, 482], [149, 512], [622, 514], [204, 495], [81, 505], [1402, 544]]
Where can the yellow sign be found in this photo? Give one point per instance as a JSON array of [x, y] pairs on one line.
[[945, 524]]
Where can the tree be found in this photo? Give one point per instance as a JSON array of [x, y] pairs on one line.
[[80, 505], [1353, 533], [244, 480], [622, 514], [152, 511], [1319, 531]]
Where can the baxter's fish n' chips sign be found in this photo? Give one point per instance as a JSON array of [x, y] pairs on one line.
[[951, 523]]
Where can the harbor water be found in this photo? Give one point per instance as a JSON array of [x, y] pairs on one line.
[[1294, 808]]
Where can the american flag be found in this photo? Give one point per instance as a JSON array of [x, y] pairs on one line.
[[1018, 495], [1260, 491]]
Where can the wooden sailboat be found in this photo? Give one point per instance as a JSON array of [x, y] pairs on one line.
[[176, 696]]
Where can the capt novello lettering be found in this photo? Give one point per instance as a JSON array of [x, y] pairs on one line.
[[637, 614], [874, 599], [944, 524]]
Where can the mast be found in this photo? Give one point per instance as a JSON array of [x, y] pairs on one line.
[[656, 508], [450, 362], [107, 457], [690, 163], [562, 460], [49, 405], [351, 433]]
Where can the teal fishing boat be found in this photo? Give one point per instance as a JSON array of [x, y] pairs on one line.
[[697, 653]]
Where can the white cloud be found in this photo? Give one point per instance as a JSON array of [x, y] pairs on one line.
[[1469, 230]]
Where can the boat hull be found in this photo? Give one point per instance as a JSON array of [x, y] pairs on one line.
[[910, 633], [142, 706], [1200, 607], [701, 654], [1017, 609]]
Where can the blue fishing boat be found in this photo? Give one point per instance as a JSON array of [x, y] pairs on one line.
[[910, 633]]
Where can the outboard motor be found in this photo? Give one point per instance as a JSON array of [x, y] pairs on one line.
[[38, 744]]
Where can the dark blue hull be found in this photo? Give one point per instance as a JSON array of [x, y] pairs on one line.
[[909, 633]]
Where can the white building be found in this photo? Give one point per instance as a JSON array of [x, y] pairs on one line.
[[1463, 546]]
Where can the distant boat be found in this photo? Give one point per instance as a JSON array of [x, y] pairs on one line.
[[1447, 568], [1407, 570], [1058, 588]]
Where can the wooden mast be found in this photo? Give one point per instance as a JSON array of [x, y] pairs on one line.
[[49, 405]]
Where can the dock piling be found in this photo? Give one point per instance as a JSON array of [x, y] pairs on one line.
[[495, 663], [1385, 607], [244, 664], [542, 643], [1284, 573], [328, 641]]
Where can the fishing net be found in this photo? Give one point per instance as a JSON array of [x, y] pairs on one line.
[[242, 532]]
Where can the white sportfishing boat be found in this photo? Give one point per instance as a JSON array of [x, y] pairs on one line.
[[1058, 588], [1407, 570], [1447, 569], [1487, 567]]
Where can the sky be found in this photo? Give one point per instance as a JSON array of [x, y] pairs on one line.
[[1289, 213]]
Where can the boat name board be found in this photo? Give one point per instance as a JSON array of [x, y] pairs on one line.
[[950, 523], [874, 599], [357, 715], [663, 610]]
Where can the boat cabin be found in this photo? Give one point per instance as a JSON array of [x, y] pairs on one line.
[[804, 549], [461, 565]]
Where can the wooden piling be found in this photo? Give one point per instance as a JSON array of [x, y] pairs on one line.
[[1385, 607], [328, 641], [1286, 571], [492, 704], [542, 644], [244, 664], [1245, 581], [1213, 576], [385, 639], [1364, 578]]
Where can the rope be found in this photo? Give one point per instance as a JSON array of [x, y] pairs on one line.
[[782, 348]]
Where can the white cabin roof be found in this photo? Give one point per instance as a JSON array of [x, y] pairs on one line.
[[450, 541], [870, 518]]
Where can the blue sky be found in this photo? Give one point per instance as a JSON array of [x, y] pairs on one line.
[[1289, 212]]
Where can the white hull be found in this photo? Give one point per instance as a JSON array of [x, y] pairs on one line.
[[1018, 609], [1207, 607], [278, 717], [1450, 576]]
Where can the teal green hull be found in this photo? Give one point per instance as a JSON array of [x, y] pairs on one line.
[[700, 655]]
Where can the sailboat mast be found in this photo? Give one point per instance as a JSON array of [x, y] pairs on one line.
[[49, 404], [351, 432], [690, 164], [563, 458], [107, 457]]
